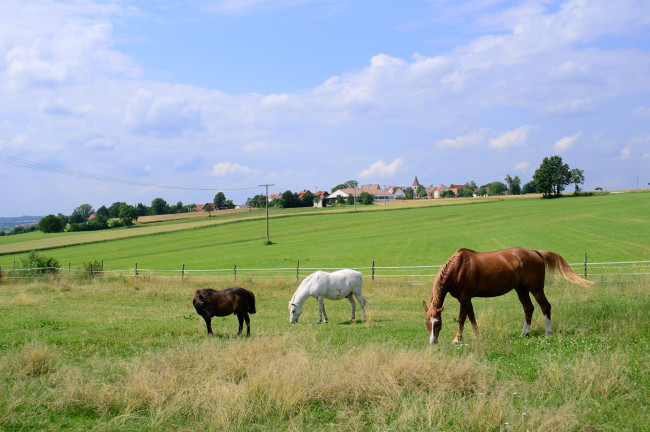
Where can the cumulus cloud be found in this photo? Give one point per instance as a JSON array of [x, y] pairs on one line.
[[522, 166], [228, 168], [513, 138], [380, 169], [463, 141], [61, 108], [572, 108], [162, 116], [564, 143]]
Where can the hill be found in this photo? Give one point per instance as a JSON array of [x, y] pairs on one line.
[[609, 227]]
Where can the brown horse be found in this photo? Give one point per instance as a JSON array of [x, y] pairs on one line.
[[234, 300], [470, 274]]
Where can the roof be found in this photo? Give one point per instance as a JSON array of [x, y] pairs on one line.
[[416, 182]]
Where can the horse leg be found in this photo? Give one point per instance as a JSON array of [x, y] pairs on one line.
[[524, 298], [321, 310], [472, 318], [546, 309], [461, 322], [352, 305], [240, 317], [362, 302], [208, 323], [248, 324]]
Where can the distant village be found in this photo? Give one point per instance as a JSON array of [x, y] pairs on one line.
[[389, 193]]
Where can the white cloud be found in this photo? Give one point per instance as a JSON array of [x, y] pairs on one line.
[[572, 108], [564, 143], [522, 166], [642, 112], [513, 138], [381, 170], [471, 139], [625, 153], [228, 168], [162, 116]]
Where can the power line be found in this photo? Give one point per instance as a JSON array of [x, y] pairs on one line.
[[98, 177]]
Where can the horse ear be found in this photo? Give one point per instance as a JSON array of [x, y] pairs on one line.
[[441, 309], [426, 309]]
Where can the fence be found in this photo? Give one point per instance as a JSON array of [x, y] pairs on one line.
[[595, 271]]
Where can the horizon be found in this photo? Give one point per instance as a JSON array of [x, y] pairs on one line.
[[180, 101]]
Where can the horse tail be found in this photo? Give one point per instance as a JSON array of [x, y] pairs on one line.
[[554, 262], [250, 300]]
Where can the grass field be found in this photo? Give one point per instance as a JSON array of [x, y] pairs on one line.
[[607, 228], [125, 353], [132, 354]]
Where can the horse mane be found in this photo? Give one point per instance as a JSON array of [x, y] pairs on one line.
[[438, 291]]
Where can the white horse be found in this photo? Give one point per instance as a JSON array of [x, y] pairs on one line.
[[333, 286]]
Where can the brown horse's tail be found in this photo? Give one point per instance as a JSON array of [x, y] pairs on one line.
[[554, 262]]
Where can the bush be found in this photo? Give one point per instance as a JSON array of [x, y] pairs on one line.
[[92, 267], [34, 264]]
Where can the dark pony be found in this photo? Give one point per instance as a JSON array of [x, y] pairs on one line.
[[470, 274], [234, 300]]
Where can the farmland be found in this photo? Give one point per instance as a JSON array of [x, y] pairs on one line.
[[118, 352]]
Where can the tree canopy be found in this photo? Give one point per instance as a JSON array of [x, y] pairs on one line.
[[552, 176]]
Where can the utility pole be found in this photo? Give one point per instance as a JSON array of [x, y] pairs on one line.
[[267, 210]]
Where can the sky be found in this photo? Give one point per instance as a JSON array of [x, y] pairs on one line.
[[107, 101]]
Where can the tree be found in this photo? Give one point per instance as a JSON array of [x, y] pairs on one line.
[[408, 193], [219, 201], [50, 224], [209, 208], [347, 184], [551, 176], [530, 187], [365, 198], [114, 209], [497, 188], [159, 206], [102, 211], [143, 210], [81, 213], [514, 185], [307, 199], [469, 190], [421, 192], [447, 193], [577, 178], [128, 214]]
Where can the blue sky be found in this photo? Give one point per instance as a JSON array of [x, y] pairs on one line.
[[228, 95]]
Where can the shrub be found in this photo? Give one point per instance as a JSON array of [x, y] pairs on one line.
[[35, 264]]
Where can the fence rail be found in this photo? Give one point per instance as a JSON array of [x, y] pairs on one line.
[[597, 271]]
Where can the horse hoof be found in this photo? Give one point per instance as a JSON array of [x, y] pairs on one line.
[[456, 341]]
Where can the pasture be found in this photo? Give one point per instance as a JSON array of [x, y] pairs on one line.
[[119, 352], [131, 354]]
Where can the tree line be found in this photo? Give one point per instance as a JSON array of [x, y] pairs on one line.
[[550, 179]]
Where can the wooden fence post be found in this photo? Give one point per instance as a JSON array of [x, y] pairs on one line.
[[183, 272], [136, 269], [297, 268], [585, 265], [234, 269], [373, 270]]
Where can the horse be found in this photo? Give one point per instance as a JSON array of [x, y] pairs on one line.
[[470, 274], [234, 300], [321, 285]]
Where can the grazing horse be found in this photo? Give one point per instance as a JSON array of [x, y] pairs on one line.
[[470, 274], [333, 286], [234, 300]]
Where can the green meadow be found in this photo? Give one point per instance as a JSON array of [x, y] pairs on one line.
[[124, 353]]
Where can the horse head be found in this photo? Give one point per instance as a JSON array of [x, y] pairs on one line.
[[294, 312], [433, 320]]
